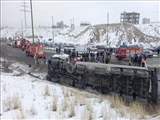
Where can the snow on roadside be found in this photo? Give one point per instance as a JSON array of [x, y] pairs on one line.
[[26, 97]]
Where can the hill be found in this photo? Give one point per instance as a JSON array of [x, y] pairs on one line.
[[147, 35]]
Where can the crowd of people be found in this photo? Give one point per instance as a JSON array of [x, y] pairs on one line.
[[99, 56], [138, 60]]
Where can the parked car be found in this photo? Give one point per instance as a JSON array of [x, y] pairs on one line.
[[9, 43], [156, 49], [148, 53]]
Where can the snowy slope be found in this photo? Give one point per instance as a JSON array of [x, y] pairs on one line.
[[26, 97], [123, 33], [143, 35], [152, 29]]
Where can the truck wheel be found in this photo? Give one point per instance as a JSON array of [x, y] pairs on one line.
[[128, 72], [49, 62], [142, 74], [70, 68], [115, 71], [48, 78], [51, 69], [155, 88], [142, 100], [99, 70]]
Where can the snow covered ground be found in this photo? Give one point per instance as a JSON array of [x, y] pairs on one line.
[[27, 97]]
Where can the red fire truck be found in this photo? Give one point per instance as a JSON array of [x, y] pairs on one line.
[[128, 52], [23, 43], [37, 49]]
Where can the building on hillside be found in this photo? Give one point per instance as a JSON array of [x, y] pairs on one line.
[[85, 24], [130, 17], [72, 26], [60, 24], [145, 20]]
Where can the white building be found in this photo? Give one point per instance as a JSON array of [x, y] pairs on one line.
[[145, 20]]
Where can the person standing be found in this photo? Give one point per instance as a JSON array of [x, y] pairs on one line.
[[143, 62], [70, 55], [97, 56], [120, 58], [105, 56], [56, 50], [135, 59], [36, 61], [158, 51], [139, 60], [93, 56], [81, 57], [59, 48]]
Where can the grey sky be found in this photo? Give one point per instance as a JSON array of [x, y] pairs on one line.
[[93, 12]]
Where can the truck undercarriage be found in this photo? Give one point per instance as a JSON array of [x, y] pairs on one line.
[[131, 83]]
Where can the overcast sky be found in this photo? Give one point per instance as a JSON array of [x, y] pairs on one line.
[[93, 12]]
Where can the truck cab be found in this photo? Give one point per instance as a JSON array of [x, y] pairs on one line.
[[56, 63], [37, 49]]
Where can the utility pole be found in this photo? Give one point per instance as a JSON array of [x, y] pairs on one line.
[[71, 22], [24, 10], [53, 28], [22, 28], [32, 20], [107, 28]]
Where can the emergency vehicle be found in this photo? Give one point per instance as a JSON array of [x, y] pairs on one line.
[[37, 49], [23, 44], [128, 52]]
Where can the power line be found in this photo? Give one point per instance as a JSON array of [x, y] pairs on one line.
[[24, 10]]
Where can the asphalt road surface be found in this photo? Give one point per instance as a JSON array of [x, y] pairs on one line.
[[18, 53]]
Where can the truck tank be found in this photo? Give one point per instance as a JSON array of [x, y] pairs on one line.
[[130, 82]]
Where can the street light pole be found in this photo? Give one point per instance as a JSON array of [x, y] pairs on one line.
[[22, 28], [32, 20], [53, 28]]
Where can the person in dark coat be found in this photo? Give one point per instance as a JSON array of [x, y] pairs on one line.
[[59, 48], [120, 57], [93, 56], [139, 60], [135, 59], [69, 51], [158, 51], [77, 54], [56, 50], [84, 57], [97, 57], [87, 56], [144, 56]]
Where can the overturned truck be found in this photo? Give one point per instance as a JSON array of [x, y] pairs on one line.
[[131, 82]]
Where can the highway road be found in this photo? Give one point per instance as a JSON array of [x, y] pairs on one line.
[[18, 53]]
